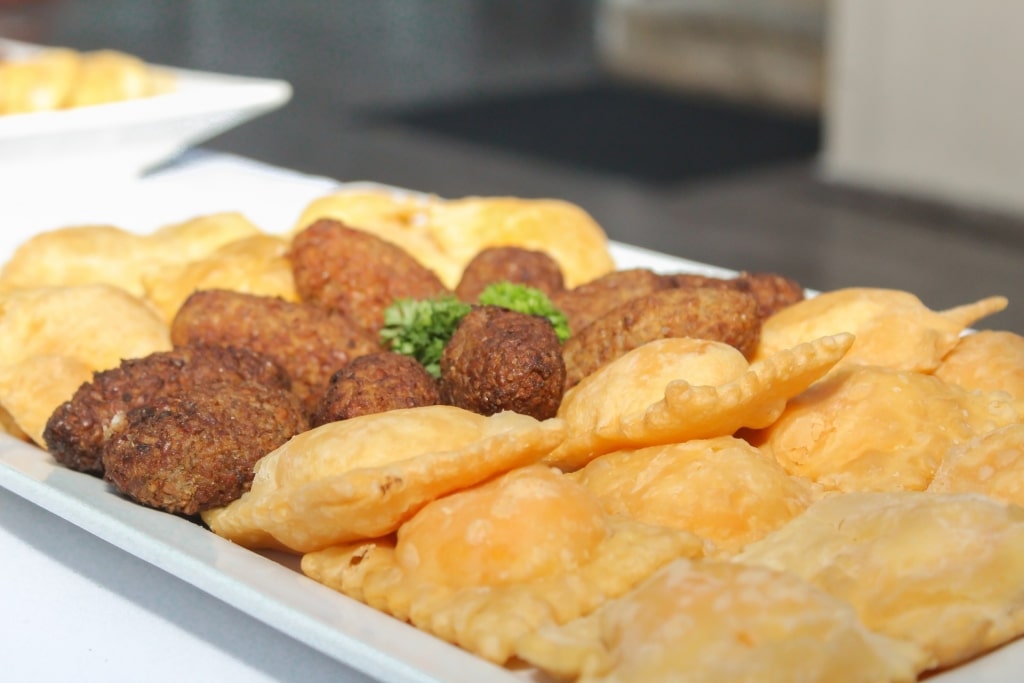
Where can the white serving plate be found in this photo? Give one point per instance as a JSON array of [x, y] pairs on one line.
[[269, 587], [122, 140]]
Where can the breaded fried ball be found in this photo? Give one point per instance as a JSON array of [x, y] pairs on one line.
[[499, 359], [308, 341], [532, 268], [713, 313], [589, 301], [376, 383], [357, 273], [77, 430], [184, 453], [772, 291]]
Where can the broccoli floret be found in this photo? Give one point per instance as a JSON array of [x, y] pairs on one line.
[[421, 327], [529, 300]]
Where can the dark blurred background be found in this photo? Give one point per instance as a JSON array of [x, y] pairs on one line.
[[694, 128]]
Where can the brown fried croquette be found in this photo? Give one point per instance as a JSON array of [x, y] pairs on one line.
[[510, 264], [184, 453], [373, 384], [499, 359], [357, 273], [719, 314], [78, 428], [308, 341], [586, 303]]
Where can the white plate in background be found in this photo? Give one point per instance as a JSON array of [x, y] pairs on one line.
[[122, 140]]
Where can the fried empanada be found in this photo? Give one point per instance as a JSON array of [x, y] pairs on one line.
[[942, 571], [992, 463], [893, 328], [987, 360], [487, 565], [257, 264], [707, 621], [868, 428], [362, 477], [674, 390], [722, 489], [464, 227], [30, 390]]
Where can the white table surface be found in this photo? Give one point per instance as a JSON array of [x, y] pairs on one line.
[[75, 608]]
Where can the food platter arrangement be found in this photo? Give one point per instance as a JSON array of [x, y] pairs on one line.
[[447, 439]]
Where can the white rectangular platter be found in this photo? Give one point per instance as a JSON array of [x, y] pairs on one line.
[[267, 586]]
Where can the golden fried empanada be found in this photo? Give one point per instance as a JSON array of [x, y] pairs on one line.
[[942, 571], [706, 621], [722, 489], [676, 389], [362, 477], [992, 463], [253, 265], [987, 360], [464, 227], [489, 564], [41, 83], [30, 390], [868, 428], [893, 328]]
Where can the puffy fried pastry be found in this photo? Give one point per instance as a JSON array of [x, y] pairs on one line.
[[464, 227], [893, 328], [498, 359], [868, 428], [706, 621], [105, 76], [485, 566], [676, 389], [97, 325], [357, 273], [992, 463], [363, 477], [715, 313], [33, 388], [184, 453], [90, 254], [78, 429], [509, 264], [722, 489], [942, 571], [987, 360], [42, 83], [308, 341], [257, 265]]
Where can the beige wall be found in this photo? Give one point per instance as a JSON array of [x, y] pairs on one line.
[[927, 97]]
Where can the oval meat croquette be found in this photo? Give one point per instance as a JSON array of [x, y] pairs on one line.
[[509, 264], [375, 383], [185, 453], [77, 430]]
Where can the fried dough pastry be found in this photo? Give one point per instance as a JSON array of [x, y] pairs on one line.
[[707, 621], [992, 463], [33, 388], [941, 571], [95, 324], [357, 273], [868, 428], [677, 389], [105, 76], [363, 477], [485, 566], [987, 360], [893, 328], [464, 227], [257, 265], [715, 313], [721, 489], [91, 254], [42, 83]]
